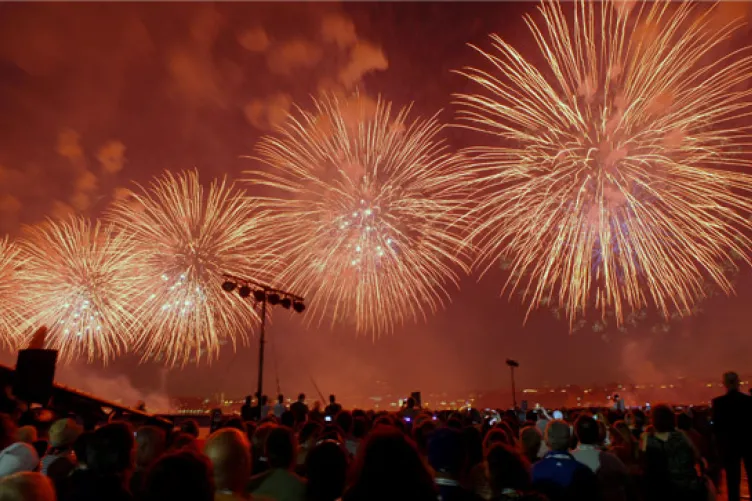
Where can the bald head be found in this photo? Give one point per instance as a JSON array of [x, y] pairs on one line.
[[230, 454], [558, 435], [26, 485]]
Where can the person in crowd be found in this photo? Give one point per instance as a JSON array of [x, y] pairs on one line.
[[109, 457], [151, 442], [316, 414], [63, 434], [27, 486], [612, 475], [530, 443], [619, 404], [624, 446], [183, 475], [421, 434], [636, 421], [496, 436], [475, 467], [333, 408], [18, 457], [388, 466], [410, 411], [280, 482], [27, 434], [732, 414], [509, 474], [265, 407], [558, 474], [183, 441], [258, 447], [299, 409], [307, 439], [230, 455], [326, 467], [246, 411], [279, 407], [344, 420], [670, 461], [589, 449], [447, 456], [190, 426]]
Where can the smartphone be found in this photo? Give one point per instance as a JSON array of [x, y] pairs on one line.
[[407, 419], [328, 419], [558, 414]]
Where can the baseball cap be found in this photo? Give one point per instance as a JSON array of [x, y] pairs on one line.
[[18, 457]]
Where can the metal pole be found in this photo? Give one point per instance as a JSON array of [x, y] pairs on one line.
[[514, 393], [262, 340]]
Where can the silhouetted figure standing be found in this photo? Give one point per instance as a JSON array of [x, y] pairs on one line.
[[732, 417], [299, 409], [246, 411], [333, 408]]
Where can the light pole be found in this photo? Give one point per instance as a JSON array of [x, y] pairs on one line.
[[263, 294], [513, 364]]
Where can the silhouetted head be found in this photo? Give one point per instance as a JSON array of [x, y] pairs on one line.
[[663, 418], [586, 430], [185, 475], [731, 381], [281, 448], [190, 427], [530, 442], [110, 451], [387, 463], [301, 397], [229, 452], [558, 435], [332, 399], [280, 398], [151, 442], [507, 469], [326, 471]]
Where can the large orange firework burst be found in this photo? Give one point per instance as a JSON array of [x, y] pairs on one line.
[[13, 298], [187, 237], [79, 278], [614, 172], [364, 214]]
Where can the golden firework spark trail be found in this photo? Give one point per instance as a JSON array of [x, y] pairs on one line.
[[14, 301], [366, 217], [80, 279], [615, 174], [188, 237]]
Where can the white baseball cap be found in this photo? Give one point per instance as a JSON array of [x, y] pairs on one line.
[[18, 457]]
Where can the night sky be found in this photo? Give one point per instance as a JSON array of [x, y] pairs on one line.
[[96, 96]]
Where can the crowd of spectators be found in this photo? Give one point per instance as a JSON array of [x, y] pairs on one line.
[[302, 454]]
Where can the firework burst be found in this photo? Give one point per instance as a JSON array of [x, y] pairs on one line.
[[614, 173], [13, 298], [188, 237], [365, 220], [79, 277]]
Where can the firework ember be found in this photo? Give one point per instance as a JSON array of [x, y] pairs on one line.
[[188, 237], [13, 298], [79, 277], [615, 171], [365, 212]]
